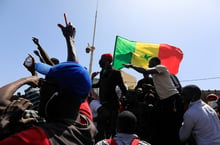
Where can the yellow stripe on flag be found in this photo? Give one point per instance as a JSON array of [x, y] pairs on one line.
[[143, 53]]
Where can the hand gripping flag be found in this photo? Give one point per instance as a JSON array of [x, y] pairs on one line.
[[139, 54]]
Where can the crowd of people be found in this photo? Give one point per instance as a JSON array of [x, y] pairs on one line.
[[68, 107]]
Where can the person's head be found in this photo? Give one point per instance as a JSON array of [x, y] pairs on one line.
[[126, 122], [211, 97], [191, 93], [211, 100], [154, 61], [106, 60], [64, 88]]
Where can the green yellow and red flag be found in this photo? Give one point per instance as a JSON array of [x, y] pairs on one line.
[[139, 54]]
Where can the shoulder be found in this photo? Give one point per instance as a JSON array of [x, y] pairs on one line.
[[191, 113], [162, 67], [85, 109], [116, 72]]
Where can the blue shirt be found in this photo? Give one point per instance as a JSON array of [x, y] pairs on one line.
[[201, 121]]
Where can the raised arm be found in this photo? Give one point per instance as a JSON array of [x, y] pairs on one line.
[[141, 69], [36, 52], [7, 91], [29, 65], [43, 55], [69, 33]]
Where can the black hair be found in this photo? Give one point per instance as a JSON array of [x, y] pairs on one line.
[[191, 92], [126, 122], [156, 60]]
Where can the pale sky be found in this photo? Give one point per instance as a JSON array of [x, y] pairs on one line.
[[191, 25]]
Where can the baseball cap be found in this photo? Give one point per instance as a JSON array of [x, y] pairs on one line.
[[71, 77], [211, 97], [108, 56]]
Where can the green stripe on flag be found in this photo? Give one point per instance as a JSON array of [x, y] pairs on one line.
[[123, 52]]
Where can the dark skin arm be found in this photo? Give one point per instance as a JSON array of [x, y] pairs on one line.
[[69, 33], [142, 70], [14, 112], [94, 74], [12, 120], [7, 91], [36, 52], [44, 56], [121, 85]]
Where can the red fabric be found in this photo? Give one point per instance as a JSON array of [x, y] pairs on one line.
[[31, 136], [135, 141], [111, 141], [85, 109], [35, 135], [171, 57]]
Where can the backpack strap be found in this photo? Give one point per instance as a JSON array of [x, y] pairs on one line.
[[135, 141], [111, 141]]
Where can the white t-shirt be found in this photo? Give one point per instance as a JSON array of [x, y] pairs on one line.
[[163, 84]]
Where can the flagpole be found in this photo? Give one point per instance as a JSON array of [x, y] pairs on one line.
[[92, 48]]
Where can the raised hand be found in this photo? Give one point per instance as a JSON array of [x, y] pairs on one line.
[[29, 63], [14, 113], [68, 31], [33, 81], [94, 74], [36, 41], [40, 57]]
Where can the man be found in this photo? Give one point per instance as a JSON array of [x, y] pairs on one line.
[[61, 94], [126, 125], [200, 120], [109, 79], [63, 103], [212, 99], [170, 116], [146, 80]]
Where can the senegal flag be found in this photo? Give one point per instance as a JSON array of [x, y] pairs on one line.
[[139, 54]]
